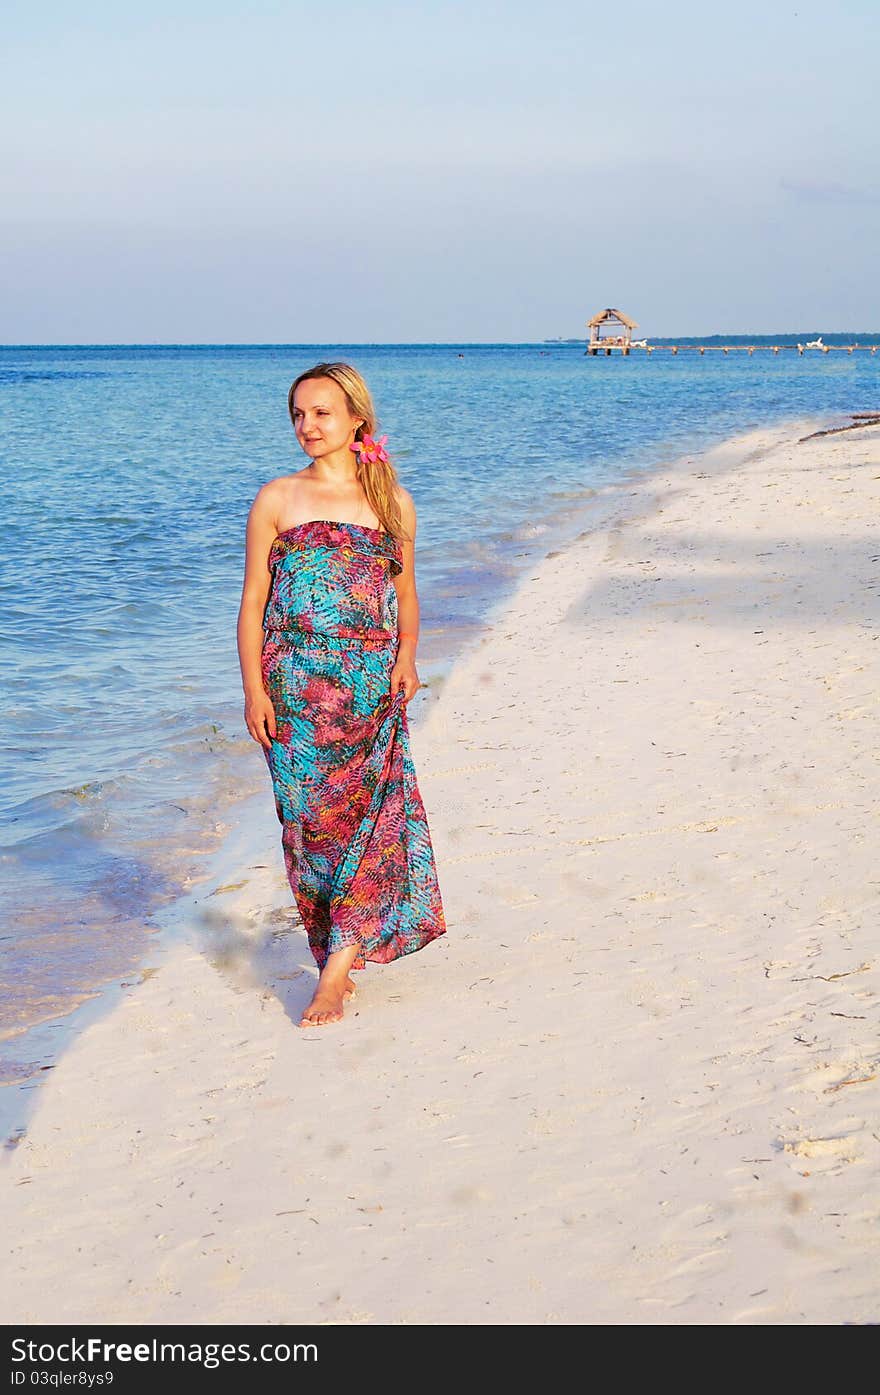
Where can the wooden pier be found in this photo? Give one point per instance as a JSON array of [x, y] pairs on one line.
[[620, 339], [800, 349]]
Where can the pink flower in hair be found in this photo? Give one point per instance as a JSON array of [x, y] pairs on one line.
[[370, 450]]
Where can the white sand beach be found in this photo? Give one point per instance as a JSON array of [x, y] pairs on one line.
[[639, 1079]]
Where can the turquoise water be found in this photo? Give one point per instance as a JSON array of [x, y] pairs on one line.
[[128, 475]]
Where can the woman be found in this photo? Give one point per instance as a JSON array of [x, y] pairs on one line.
[[327, 636]]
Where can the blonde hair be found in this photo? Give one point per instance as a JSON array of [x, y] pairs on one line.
[[378, 478]]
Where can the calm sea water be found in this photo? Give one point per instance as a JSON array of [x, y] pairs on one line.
[[128, 475]]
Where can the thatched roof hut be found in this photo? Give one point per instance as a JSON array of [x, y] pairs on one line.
[[620, 326]]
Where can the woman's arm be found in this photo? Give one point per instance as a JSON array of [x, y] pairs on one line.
[[259, 536], [405, 583], [404, 674]]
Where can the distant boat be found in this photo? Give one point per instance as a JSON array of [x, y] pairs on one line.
[[815, 344]]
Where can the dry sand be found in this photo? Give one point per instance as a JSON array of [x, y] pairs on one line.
[[638, 1081]]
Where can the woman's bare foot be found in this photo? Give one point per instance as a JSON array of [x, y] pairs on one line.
[[335, 988], [326, 1006]]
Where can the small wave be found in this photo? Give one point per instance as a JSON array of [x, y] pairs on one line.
[[49, 375], [524, 531], [53, 811], [567, 494]]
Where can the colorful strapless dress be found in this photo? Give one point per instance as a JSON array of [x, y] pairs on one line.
[[357, 848]]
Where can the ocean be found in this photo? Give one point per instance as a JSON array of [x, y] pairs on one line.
[[129, 472]]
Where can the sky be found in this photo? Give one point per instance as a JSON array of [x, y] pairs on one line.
[[436, 172]]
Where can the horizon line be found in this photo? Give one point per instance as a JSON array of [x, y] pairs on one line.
[[400, 343]]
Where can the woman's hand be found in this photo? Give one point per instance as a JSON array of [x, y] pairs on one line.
[[259, 714], [404, 675]]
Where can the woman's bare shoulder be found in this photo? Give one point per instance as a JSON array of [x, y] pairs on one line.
[[273, 498], [406, 502], [407, 508]]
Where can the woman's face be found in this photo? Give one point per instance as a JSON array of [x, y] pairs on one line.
[[321, 417]]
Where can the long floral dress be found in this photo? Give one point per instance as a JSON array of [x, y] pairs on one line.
[[355, 836]]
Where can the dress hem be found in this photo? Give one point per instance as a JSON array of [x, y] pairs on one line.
[[378, 959]]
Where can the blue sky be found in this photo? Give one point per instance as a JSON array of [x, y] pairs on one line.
[[460, 171]]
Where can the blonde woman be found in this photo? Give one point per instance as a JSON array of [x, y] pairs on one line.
[[327, 636]]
